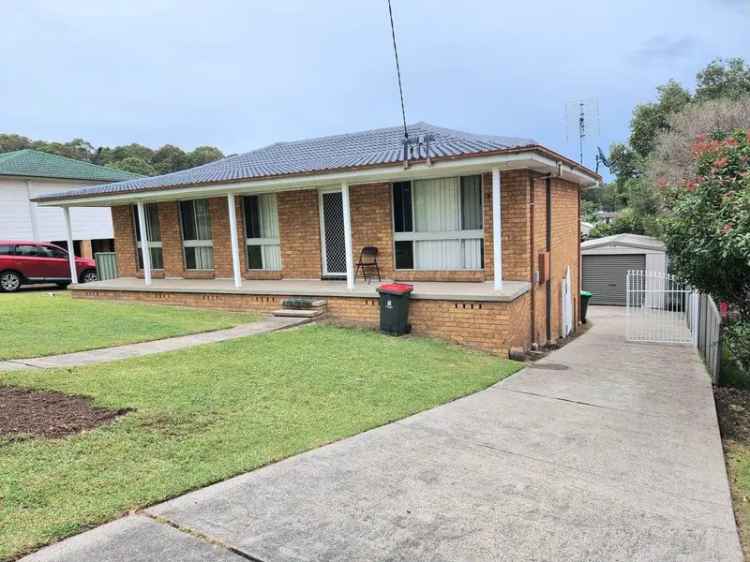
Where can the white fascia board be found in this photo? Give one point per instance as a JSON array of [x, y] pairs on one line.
[[440, 168]]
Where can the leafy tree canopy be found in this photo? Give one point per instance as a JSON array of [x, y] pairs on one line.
[[723, 79], [132, 157]]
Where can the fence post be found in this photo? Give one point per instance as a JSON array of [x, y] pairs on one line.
[[695, 304]]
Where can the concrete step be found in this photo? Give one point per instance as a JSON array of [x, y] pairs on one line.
[[298, 303], [299, 313]]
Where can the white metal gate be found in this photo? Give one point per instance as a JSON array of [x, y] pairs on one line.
[[659, 308]]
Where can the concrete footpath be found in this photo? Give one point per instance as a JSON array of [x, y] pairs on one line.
[[604, 450], [77, 359]]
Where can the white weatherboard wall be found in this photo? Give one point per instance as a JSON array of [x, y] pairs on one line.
[[18, 214]]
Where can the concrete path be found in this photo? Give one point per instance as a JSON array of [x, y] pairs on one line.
[[603, 451], [267, 324]]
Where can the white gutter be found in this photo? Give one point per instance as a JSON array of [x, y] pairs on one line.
[[439, 168]]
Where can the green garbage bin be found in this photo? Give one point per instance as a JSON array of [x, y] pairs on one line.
[[394, 308], [585, 298]]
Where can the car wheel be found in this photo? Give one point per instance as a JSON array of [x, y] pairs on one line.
[[88, 276], [10, 281]]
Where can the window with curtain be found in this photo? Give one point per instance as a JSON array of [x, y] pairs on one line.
[[262, 232], [197, 241], [438, 224], [153, 233]]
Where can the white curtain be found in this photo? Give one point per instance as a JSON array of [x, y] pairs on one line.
[[204, 254], [436, 209], [268, 218], [436, 204]]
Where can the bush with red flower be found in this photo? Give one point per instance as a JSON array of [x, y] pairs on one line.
[[707, 226]]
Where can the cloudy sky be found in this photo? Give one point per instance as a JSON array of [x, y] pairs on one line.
[[241, 74]]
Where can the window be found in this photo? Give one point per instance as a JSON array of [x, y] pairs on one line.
[[29, 251], [52, 252], [262, 232], [153, 233], [6, 250], [438, 224], [196, 234]]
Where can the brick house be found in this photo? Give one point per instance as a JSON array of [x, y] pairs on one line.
[[485, 227]]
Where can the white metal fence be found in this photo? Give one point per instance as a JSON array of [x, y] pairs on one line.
[[658, 308], [662, 309], [706, 325]]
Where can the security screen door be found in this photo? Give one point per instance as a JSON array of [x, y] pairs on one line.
[[332, 228]]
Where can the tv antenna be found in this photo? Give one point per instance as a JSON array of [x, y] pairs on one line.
[[398, 72], [582, 116]]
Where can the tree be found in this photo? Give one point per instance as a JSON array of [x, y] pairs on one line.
[[651, 118], [723, 79], [624, 162], [11, 143], [133, 150], [170, 158], [133, 157], [707, 231], [134, 165], [672, 159], [204, 154]]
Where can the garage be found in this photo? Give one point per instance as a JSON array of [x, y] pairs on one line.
[[606, 262]]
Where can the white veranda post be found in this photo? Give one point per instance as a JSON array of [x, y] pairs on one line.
[[497, 230], [145, 248], [347, 235], [71, 249], [235, 243]]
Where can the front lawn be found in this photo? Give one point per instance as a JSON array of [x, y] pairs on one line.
[[42, 323], [205, 414]]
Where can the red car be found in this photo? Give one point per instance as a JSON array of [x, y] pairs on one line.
[[25, 262]]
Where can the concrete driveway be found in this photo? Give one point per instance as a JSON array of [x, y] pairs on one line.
[[604, 451]]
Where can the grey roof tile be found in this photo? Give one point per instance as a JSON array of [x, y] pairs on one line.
[[366, 148]]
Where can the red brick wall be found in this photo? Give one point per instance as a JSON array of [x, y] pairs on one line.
[[565, 246], [299, 229], [490, 326], [372, 223], [540, 245], [122, 223]]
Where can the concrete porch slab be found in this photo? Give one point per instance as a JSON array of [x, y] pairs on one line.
[[313, 288]]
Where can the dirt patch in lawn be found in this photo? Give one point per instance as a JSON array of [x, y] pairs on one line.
[[40, 413], [733, 409]]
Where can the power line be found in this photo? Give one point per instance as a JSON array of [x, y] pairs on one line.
[[398, 71]]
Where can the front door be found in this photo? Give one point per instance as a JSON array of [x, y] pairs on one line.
[[332, 232]]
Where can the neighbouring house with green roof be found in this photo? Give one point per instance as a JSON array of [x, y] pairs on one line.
[[25, 174]]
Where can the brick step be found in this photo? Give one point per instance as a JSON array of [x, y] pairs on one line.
[[299, 312]]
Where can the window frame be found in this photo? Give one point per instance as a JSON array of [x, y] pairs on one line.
[[152, 244], [414, 236], [196, 243], [260, 242]]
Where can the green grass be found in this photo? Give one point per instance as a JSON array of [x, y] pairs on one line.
[[738, 467], [211, 412], [39, 323]]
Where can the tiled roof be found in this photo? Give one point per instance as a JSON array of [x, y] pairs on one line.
[[352, 150], [34, 163]]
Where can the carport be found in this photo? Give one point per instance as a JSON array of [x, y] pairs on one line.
[[607, 260]]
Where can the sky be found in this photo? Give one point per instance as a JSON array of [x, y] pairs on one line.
[[241, 74]]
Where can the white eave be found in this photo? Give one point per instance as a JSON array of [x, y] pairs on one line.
[[439, 168]]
